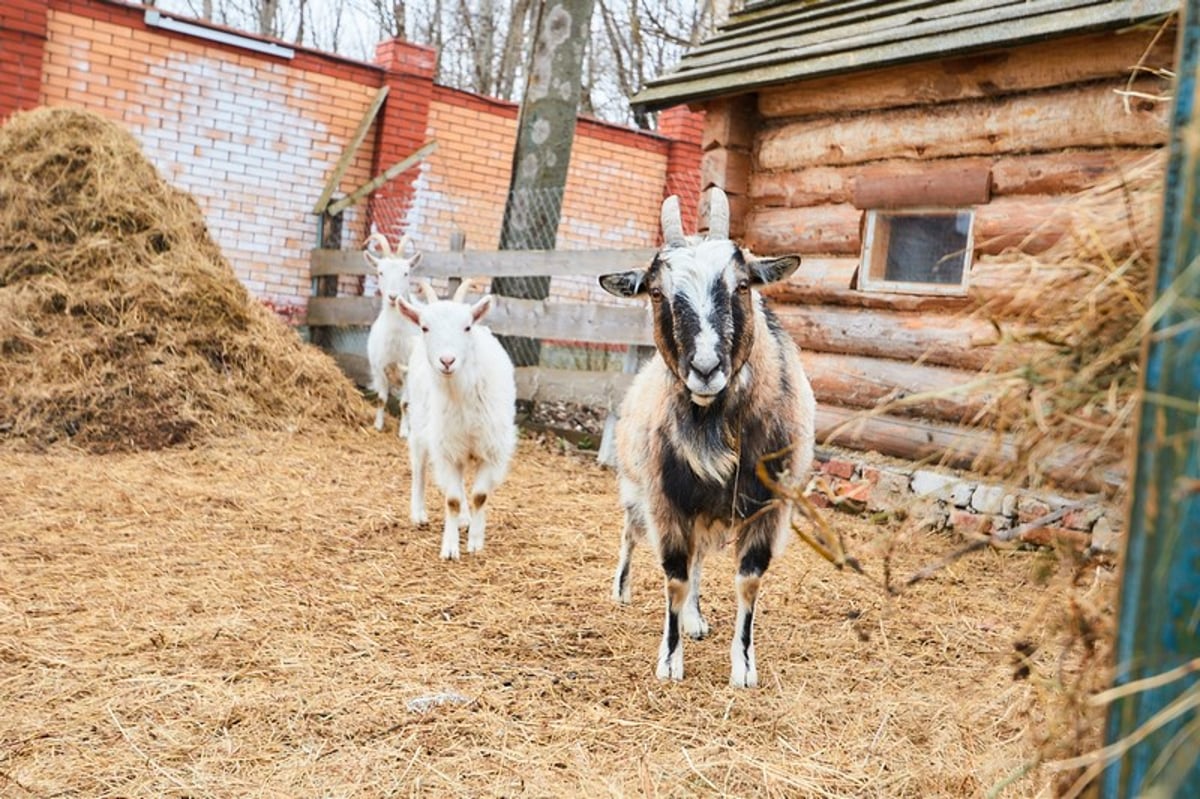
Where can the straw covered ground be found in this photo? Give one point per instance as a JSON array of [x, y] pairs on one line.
[[257, 617], [209, 586]]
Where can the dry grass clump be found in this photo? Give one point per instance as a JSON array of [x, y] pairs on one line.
[[1086, 298], [122, 327]]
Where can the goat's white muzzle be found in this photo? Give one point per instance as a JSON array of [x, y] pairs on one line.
[[705, 390]]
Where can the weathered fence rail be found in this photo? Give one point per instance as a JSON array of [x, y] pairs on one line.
[[552, 319]]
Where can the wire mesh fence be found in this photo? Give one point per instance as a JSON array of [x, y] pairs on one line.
[[601, 215]]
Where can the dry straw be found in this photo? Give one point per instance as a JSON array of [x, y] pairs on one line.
[[122, 326]]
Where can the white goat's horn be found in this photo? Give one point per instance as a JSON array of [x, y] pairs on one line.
[[672, 224], [462, 289], [427, 289], [403, 246], [381, 240], [718, 214]]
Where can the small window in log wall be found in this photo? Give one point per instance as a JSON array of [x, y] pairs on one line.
[[917, 251]]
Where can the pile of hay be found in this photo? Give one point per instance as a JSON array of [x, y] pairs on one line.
[[1087, 298], [122, 327]]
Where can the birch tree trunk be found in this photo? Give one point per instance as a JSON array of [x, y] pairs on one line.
[[545, 134]]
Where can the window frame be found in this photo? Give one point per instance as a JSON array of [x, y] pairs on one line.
[[873, 260]]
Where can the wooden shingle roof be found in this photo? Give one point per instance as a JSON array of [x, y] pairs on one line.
[[777, 41]]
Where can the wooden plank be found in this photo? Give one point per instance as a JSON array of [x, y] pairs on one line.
[[988, 74], [356, 141], [950, 445], [494, 263], [1088, 116], [938, 185], [374, 183], [342, 311], [854, 381], [566, 321], [594, 389], [941, 339], [1058, 172]]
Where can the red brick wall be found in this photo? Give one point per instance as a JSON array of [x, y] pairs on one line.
[[253, 137]]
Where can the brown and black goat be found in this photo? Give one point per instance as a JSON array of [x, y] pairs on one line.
[[725, 388]]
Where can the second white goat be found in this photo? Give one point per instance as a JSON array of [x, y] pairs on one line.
[[390, 341], [462, 402]]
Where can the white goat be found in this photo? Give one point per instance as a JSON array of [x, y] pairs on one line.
[[724, 389], [462, 402], [390, 341]]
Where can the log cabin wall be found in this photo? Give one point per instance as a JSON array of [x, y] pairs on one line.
[[1025, 128]]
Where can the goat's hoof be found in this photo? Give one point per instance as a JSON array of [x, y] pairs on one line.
[[743, 678], [671, 669], [450, 554], [694, 624], [622, 596], [474, 546]]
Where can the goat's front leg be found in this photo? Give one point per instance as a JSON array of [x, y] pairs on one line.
[[754, 556], [379, 384], [675, 560], [487, 476]]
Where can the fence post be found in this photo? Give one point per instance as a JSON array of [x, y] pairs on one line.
[[1158, 627], [329, 235]]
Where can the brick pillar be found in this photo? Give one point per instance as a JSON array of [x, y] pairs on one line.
[[684, 128], [402, 127], [22, 42]]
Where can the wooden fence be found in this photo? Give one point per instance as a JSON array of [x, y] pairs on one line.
[[551, 319]]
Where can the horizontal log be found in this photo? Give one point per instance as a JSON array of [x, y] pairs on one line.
[[930, 392], [1087, 116], [1014, 70], [1061, 172], [342, 311], [1031, 223], [492, 263], [953, 446], [941, 339], [940, 184]]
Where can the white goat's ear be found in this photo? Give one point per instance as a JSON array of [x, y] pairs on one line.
[[416, 259], [411, 312], [625, 284], [768, 270], [481, 307]]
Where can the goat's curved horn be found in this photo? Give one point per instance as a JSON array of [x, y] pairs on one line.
[[427, 290], [718, 214], [462, 289], [404, 245], [380, 240], [672, 224]]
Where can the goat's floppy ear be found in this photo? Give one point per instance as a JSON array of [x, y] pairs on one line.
[[768, 270], [411, 312], [372, 260], [416, 259], [625, 284], [481, 307]]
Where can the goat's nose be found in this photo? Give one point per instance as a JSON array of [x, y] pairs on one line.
[[447, 361], [705, 368]]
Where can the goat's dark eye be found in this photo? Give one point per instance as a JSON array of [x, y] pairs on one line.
[[743, 285], [656, 294], [424, 328], [467, 329]]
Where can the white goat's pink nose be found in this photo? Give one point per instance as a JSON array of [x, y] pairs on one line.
[[447, 361]]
